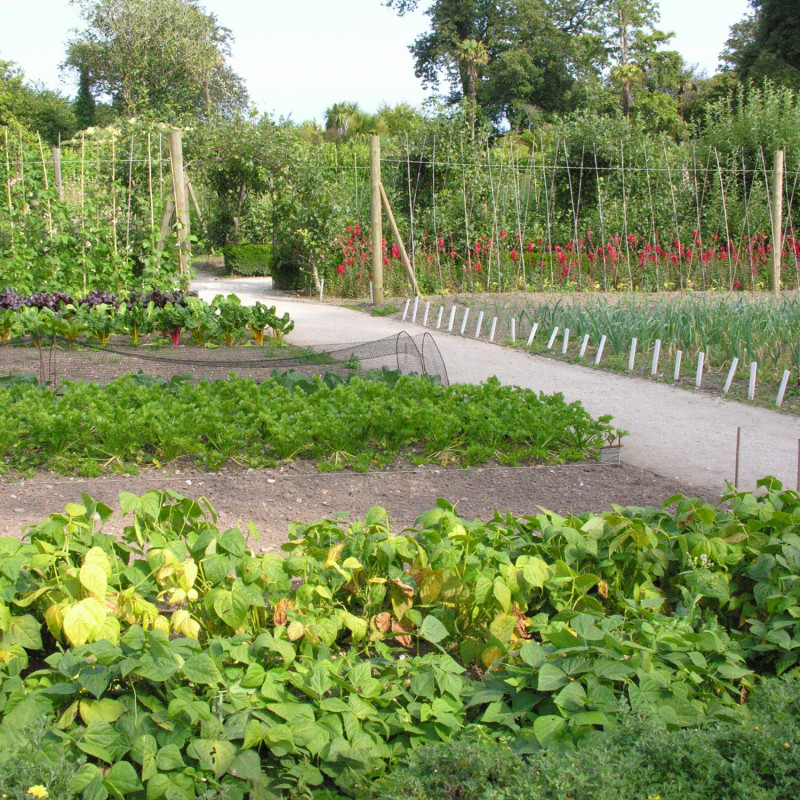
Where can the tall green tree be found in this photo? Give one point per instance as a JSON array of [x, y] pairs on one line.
[[33, 108], [84, 105], [632, 40], [508, 56], [766, 44], [164, 59]]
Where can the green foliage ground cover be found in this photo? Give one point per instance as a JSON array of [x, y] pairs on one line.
[[358, 422], [174, 662]]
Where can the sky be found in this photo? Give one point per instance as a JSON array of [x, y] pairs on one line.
[[298, 57]]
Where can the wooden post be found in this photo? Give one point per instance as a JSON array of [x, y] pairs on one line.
[[400, 246], [776, 214], [181, 207], [57, 173], [376, 222]]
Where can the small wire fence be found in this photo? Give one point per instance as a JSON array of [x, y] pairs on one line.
[[55, 360]]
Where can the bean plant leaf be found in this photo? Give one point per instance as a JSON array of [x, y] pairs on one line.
[[432, 630], [24, 632], [200, 668], [83, 621], [551, 678], [122, 780], [548, 726]]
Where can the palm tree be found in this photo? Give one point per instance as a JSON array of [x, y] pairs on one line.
[[339, 119], [472, 54]]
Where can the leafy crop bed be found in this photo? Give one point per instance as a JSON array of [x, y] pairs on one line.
[[170, 662], [360, 422]]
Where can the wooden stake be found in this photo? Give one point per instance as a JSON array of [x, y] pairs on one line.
[[493, 329], [399, 241], [584, 345], [552, 338], [565, 345], [46, 187], [57, 173], [425, 315], [776, 217], [181, 208], [114, 193], [166, 223], [376, 221], [676, 375], [533, 333], [439, 318], [451, 320], [150, 182], [738, 448], [405, 309], [513, 330], [798, 465]]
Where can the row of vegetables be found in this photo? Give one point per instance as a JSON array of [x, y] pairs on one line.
[[99, 315]]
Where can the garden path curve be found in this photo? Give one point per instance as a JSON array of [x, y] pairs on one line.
[[678, 433]]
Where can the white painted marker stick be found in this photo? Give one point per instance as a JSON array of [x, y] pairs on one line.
[[600, 349], [414, 310], [513, 330], [439, 318], [464, 321], [698, 377], [782, 390], [425, 315], [656, 356], [584, 345], [405, 310], [452, 319], [493, 329], [751, 389], [676, 376], [478, 326], [632, 356], [566, 341], [731, 372], [552, 338], [533, 333]]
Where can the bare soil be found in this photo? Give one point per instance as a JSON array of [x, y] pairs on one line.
[[298, 492]]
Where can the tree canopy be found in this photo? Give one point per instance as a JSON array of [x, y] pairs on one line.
[[158, 58], [765, 45]]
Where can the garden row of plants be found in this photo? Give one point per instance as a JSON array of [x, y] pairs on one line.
[[617, 262], [360, 422], [750, 328], [604, 202], [172, 662], [99, 315]]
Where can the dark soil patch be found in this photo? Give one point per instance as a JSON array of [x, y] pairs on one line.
[[271, 499]]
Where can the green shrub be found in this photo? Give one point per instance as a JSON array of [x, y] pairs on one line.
[[248, 259], [755, 760]]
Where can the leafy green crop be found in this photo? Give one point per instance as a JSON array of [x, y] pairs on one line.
[[173, 657], [364, 421]]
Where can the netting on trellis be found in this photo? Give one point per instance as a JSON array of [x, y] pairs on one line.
[[56, 360]]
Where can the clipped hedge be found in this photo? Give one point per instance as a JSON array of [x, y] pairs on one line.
[[248, 259]]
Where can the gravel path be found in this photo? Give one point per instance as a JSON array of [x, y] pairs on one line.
[[673, 432]]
